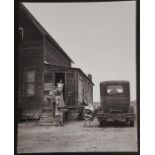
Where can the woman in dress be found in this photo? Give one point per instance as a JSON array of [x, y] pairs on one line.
[[60, 86], [59, 103]]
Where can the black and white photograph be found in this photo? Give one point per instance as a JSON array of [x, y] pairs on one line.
[[77, 77]]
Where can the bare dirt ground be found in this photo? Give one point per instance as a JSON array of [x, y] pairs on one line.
[[74, 137]]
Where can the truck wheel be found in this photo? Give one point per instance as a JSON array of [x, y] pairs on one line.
[[127, 123], [101, 124], [131, 123], [132, 109]]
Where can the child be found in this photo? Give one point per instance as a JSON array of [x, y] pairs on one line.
[[58, 112]]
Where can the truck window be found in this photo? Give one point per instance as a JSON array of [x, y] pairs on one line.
[[113, 89]]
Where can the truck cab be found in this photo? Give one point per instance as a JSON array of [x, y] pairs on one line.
[[115, 103]]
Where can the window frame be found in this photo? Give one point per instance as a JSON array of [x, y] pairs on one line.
[[25, 82], [118, 93], [21, 29]]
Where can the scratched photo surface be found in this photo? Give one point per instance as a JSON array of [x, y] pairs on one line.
[[77, 77]]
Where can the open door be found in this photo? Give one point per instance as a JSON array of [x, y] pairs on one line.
[[71, 89], [58, 77]]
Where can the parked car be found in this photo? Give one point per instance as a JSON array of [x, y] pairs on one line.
[[115, 103]]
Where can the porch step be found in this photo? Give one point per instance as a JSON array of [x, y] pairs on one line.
[[46, 115], [46, 123], [47, 118]]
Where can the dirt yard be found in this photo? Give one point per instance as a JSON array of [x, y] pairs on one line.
[[74, 137]]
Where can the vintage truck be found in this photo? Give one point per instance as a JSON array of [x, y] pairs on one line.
[[115, 103]]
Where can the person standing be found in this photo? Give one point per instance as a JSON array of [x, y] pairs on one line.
[[59, 103], [53, 100], [58, 112], [60, 86]]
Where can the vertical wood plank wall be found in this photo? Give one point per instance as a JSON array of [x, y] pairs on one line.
[[30, 56], [36, 51], [85, 90], [70, 82], [54, 56]]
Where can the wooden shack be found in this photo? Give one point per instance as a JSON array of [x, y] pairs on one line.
[[41, 64], [78, 86]]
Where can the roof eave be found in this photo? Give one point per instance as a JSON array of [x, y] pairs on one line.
[[44, 32]]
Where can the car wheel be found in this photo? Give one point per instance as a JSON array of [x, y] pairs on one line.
[[131, 123], [101, 123]]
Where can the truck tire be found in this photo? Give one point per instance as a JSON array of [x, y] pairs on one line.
[[131, 123], [132, 109], [102, 123]]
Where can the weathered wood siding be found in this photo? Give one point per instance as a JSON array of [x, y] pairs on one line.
[[71, 89], [39, 52], [77, 86], [30, 56], [31, 33], [54, 56], [85, 90], [80, 89], [70, 83]]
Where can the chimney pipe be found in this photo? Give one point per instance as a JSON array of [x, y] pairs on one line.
[[90, 77]]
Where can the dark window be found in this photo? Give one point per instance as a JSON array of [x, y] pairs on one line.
[[29, 84], [20, 34], [112, 90]]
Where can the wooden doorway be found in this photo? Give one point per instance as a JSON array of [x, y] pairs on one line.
[[58, 77]]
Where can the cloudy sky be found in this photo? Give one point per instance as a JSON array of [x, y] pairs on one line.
[[99, 37]]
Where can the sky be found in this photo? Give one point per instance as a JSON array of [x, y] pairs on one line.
[[99, 37]]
